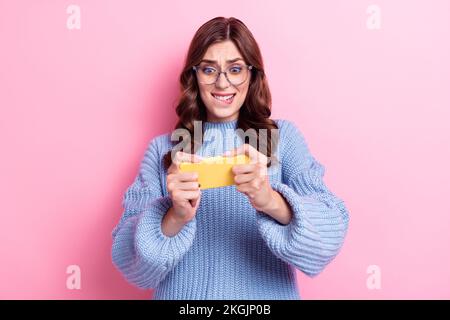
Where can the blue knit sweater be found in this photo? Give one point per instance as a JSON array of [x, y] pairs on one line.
[[230, 250]]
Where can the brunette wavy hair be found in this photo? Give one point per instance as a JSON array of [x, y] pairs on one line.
[[256, 109]]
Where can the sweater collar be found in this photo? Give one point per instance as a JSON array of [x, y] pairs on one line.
[[230, 124]]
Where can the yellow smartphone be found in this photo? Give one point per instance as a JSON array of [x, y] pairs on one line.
[[215, 172]]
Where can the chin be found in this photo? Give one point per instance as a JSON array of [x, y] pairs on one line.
[[221, 114]]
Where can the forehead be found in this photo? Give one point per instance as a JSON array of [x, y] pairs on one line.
[[222, 51]]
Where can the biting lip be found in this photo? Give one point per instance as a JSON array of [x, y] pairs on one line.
[[223, 94], [224, 98]]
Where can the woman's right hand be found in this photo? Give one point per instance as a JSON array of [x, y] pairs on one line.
[[183, 188]]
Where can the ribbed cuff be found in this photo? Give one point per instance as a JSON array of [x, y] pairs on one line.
[[276, 234], [153, 245], [314, 235]]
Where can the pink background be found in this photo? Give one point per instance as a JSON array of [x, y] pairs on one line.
[[78, 108]]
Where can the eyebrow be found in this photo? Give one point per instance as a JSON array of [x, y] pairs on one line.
[[215, 61]]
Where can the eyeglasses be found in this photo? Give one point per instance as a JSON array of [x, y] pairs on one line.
[[236, 74]]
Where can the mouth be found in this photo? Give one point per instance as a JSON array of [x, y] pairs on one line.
[[224, 98]]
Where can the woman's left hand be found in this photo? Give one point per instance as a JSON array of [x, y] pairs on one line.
[[252, 179]]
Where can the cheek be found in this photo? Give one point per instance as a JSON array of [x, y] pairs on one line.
[[203, 92], [243, 94], [205, 95]]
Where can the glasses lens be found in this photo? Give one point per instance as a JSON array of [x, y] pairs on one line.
[[207, 74], [236, 73]]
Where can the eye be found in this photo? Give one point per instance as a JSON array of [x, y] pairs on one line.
[[235, 69], [208, 70]]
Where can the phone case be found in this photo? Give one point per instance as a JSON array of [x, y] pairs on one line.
[[215, 172]]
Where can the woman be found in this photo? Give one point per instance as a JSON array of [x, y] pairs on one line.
[[242, 241]]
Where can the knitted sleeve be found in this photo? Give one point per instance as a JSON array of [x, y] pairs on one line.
[[320, 219], [140, 251]]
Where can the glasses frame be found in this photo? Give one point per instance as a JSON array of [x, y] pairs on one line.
[[196, 69]]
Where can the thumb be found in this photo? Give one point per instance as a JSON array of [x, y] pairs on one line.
[[196, 202], [235, 151]]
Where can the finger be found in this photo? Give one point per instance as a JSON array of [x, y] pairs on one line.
[[243, 168], [245, 188], [244, 178], [259, 168], [254, 155], [196, 201], [196, 158], [188, 176], [188, 186], [187, 157], [181, 195], [185, 177], [236, 151], [181, 156]]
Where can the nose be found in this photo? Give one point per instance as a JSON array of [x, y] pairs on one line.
[[222, 82]]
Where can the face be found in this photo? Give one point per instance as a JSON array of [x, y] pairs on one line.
[[218, 108]]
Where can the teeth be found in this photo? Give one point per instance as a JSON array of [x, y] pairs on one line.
[[223, 98]]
